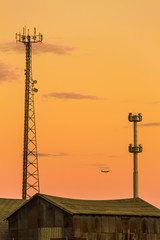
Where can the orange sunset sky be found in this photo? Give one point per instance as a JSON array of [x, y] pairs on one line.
[[99, 60]]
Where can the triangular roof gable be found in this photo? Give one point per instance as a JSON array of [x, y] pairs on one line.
[[34, 196], [131, 206]]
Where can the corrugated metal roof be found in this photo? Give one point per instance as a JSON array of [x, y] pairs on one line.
[[7, 206], [131, 206], [128, 207]]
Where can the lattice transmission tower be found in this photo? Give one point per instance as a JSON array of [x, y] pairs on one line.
[[30, 156]]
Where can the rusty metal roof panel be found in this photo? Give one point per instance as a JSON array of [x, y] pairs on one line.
[[131, 206]]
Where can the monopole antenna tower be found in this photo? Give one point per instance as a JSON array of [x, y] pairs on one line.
[[135, 150]]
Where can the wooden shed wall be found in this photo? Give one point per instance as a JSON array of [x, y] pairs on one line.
[[38, 219], [116, 228]]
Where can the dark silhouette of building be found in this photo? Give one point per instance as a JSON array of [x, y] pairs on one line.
[[45, 217]]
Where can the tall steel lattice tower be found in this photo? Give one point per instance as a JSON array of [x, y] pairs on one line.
[[30, 156], [135, 150]]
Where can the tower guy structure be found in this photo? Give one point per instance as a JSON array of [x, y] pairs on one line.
[[135, 150], [30, 156]]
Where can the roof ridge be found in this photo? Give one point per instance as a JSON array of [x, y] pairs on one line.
[[40, 194]]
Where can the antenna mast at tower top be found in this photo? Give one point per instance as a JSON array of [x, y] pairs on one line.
[[30, 156]]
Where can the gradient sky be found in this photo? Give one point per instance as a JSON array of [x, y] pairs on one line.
[[100, 60]]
